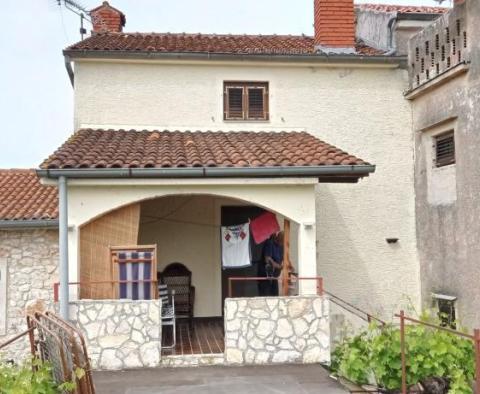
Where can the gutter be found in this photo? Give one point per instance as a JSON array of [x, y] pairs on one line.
[[211, 172], [400, 61], [28, 224]]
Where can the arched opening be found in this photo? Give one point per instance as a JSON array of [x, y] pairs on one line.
[[185, 229]]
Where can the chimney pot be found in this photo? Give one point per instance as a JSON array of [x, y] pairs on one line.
[[334, 26], [106, 18]]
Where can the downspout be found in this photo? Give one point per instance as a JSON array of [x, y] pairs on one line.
[[390, 26], [63, 245], [68, 66]]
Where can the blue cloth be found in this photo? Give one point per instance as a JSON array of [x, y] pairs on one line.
[[273, 250]]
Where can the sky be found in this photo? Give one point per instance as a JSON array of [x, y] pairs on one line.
[[36, 98]]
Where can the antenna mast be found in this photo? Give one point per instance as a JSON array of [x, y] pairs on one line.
[[79, 10]]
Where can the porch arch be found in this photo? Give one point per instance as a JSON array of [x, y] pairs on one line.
[[88, 203]]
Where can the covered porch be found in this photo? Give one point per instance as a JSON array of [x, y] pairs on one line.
[[178, 210]]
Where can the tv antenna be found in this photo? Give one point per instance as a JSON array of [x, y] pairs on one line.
[[78, 9]]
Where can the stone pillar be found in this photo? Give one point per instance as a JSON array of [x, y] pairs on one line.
[[307, 257]]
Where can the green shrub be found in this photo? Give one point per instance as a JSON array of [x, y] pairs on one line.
[[374, 354], [16, 379]]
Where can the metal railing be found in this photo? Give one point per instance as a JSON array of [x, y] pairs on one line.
[[475, 338], [232, 279], [354, 310], [56, 286]]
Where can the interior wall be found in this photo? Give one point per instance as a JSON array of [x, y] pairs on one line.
[[186, 229], [168, 223]]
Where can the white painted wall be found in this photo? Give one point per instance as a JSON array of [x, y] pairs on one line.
[[361, 110], [3, 297]]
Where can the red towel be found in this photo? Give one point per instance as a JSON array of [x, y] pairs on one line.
[[263, 226]]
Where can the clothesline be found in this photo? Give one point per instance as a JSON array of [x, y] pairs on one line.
[[163, 219]]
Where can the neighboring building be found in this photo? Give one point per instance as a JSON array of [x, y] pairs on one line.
[[389, 27], [28, 246], [445, 96]]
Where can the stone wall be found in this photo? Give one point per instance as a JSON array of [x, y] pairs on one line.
[[120, 334], [31, 257], [277, 330]]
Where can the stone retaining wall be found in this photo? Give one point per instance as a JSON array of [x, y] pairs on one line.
[[31, 258], [120, 334], [277, 330]]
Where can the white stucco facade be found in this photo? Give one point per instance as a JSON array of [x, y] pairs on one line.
[[358, 108]]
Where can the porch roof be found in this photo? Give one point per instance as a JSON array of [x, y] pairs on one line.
[[186, 153]]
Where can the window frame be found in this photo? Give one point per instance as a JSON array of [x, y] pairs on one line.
[[449, 160], [246, 86]]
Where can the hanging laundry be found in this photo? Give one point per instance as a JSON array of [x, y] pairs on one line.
[[264, 226], [236, 246]]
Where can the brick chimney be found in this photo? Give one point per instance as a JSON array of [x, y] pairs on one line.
[[105, 18], [334, 26]]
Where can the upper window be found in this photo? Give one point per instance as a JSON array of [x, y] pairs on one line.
[[245, 101], [445, 149]]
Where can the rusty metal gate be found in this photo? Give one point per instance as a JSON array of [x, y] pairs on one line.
[[62, 345]]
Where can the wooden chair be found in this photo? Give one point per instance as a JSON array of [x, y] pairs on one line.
[[179, 279]]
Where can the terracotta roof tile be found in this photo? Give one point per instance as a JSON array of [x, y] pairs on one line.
[[23, 197], [205, 43], [90, 148], [408, 9]]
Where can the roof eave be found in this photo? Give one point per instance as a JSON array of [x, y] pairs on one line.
[[20, 224], [400, 61], [326, 173]]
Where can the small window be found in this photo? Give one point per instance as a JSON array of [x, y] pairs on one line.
[[445, 305], [246, 101], [445, 149]]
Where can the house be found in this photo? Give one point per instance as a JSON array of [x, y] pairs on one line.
[[178, 134], [444, 75]]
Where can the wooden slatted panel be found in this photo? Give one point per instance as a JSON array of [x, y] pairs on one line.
[[256, 103], [234, 102], [445, 149], [119, 227]]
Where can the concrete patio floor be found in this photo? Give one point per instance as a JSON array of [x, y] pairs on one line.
[[298, 379]]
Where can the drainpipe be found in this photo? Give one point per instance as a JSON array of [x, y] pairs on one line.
[[63, 245], [68, 67], [391, 27]]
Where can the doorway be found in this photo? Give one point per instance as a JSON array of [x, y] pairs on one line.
[[231, 216]]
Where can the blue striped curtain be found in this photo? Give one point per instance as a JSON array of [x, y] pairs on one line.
[[135, 266]]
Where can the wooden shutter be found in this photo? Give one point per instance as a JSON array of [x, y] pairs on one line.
[[234, 102], [246, 101], [3, 297], [257, 99], [445, 149], [119, 227]]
